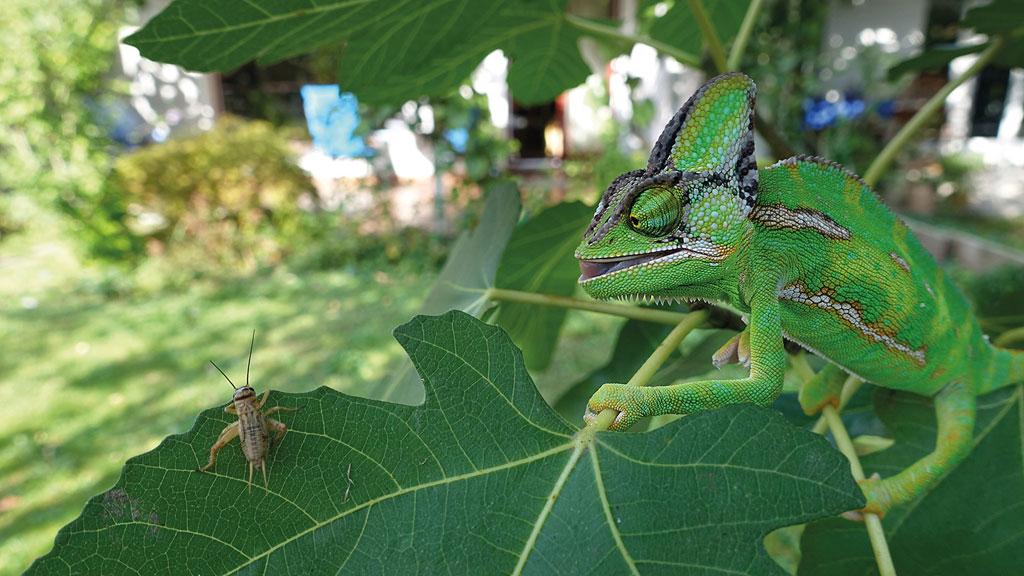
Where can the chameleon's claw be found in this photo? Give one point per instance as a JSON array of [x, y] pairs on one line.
[[854, 515], [735, 351], [632, 403], [879, 501]]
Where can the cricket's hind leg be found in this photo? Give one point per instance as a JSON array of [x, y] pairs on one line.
[[226, 435]]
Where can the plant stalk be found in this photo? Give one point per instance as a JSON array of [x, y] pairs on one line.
[[871, 521], [830, 416], [624, 310], [614, 33], [1009, 337], [850, 388], [886, 156], [643, 376], [710, 36], [739, 45]]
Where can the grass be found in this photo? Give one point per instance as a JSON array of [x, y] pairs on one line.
[[90, 381]]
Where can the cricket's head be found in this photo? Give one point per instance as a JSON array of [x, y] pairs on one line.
[[243, 393], [663, 230]]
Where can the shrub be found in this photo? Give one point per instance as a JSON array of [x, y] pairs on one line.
[[227, 199]]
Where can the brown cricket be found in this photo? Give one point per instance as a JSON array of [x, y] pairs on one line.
[[253, 425]]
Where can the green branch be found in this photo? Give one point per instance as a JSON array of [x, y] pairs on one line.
[[886, 156], [779, 147], [1009, 337], [830, 415], [624, 310], [654, 361], [710, 36], [871, 521], [739, 45], [614, 33], [850, 387]]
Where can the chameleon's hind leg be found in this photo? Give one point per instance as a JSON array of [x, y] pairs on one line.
[[825, 388], [955, 408]]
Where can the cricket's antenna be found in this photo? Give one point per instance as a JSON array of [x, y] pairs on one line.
[[223, 374], [250, 358]]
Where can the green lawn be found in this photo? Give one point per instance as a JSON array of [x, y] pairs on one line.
[[89, 381]]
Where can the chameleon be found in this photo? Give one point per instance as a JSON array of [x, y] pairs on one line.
[[805, 251]]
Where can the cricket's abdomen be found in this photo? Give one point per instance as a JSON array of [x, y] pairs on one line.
[[864, 293], [252, 432]]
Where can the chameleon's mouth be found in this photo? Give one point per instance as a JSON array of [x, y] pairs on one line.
[[597, 267], [592, 268]]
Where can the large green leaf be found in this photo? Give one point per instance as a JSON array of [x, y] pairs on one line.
[[393, 50], [539, 258], [996, 17], [971, 523], [933, 58], [679, 28], [483, 478], [470, 269]]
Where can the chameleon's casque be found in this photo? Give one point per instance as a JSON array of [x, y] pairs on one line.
[[806, 251]]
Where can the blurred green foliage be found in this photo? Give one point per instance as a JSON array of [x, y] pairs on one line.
[[226, 199], [335, 242], [786, 57], [53, 77]]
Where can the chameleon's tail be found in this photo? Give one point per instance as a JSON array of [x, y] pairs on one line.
[[1008, 367]]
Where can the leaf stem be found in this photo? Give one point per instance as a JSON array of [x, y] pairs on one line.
[[614, 33], [739, 45], [871, 521], [850, 388], [710, 36], [830, 415], [643, 376], [778, 145], [802, 367], [624, 310], [886, 156], [1010, 336]]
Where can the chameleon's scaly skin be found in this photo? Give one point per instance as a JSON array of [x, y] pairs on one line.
[[807, 252]]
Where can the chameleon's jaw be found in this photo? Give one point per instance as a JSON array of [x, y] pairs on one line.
[[597, 267], [594, 268]]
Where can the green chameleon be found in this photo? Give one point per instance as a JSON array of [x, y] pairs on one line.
[[806, 252]]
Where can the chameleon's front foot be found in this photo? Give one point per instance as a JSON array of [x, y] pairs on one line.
[[632, 403]]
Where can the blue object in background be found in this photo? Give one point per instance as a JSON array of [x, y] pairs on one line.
[[458, 138], [819, 113], [332, 117]]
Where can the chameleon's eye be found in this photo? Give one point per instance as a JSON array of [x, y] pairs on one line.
[[655, 212]]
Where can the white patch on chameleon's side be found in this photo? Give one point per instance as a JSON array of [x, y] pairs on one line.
[[903, 263], [783, 217], [928, 287], [849, 313]]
